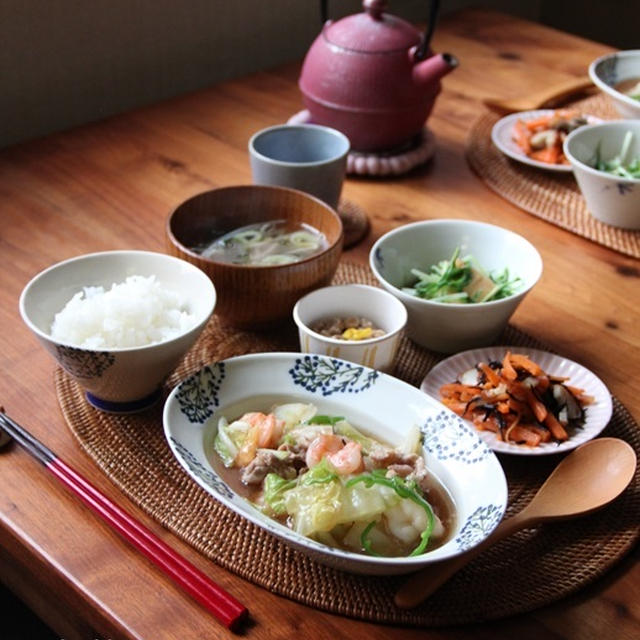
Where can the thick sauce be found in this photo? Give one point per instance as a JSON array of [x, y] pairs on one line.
[[436, 494]]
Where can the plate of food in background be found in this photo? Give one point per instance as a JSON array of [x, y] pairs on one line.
[[536, 137], [522, 401]]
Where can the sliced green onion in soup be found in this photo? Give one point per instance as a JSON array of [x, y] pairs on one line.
[[277, 259], [304, 240]]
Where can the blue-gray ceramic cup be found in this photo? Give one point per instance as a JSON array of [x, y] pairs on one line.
[[307, 157]]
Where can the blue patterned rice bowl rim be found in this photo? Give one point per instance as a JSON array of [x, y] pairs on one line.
[[378, 403]]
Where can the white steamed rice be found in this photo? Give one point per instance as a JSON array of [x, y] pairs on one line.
[[136, 312]]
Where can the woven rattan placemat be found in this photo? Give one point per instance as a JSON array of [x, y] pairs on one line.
[[554, 197], [552, 561]]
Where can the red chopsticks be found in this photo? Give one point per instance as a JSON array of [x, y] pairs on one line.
[[215, 599]]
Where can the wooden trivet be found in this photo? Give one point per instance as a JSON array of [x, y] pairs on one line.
[[354, 222]]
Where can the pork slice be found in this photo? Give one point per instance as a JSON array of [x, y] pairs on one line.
[[382, 457], [267, 461]]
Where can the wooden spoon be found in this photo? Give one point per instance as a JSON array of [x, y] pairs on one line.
[[587, 479], [547, 97]]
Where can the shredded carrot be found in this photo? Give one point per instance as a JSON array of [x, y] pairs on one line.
[[575, 391], [456, 387], [538, 408], [503, 407], [535, 124], [558, 431], [543, 432], [515, 401], [523, 362], [553, 127], [492, 377], [508, 371], [550, 155], [522, 136], [520, 434]]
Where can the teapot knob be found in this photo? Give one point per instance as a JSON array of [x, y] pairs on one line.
[[374, 8]]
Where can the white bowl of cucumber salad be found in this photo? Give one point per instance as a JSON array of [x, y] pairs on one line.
[[461, 280]]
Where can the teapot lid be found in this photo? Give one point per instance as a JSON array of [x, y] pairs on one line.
[[372, 31]]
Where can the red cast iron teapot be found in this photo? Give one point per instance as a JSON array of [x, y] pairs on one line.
[[373, 77]]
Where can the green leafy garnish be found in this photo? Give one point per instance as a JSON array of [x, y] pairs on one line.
[[618, 166], [325, 419], [364, 539], [459, 280], [321, 473], [406, 490]]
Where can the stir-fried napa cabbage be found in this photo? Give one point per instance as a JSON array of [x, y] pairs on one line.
[[329, 481]]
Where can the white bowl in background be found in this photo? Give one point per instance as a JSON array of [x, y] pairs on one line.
[[611, 199], [378, 404], [609, 70], [384, 310], [447, 327], [122, 380]]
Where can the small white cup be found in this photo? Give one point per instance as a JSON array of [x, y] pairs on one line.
[[384, 311], [307, 157]]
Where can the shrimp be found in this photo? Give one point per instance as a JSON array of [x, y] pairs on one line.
[[264, 432], [348, 459], [344, 458], [321, 447], [268, 426]]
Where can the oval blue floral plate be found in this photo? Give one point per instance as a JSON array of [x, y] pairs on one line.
[[380, 405]]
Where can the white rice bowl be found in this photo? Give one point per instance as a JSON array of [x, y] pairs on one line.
[[119, 342]]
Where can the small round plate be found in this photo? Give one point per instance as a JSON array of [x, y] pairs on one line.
[[597, 415], [501, 137]]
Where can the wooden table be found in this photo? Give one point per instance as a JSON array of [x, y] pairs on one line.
[[110, 185]]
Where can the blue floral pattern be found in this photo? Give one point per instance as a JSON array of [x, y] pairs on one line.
[[328, 376], [447, 438], [623, 188], [211, 479], [607, 70], [82, 363], [379, 259], [481, 522], [198, 394]]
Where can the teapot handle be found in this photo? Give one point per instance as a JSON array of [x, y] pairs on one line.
[[423, 47]]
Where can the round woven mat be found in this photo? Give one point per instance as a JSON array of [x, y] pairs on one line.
[[552, 561], [554, 197]]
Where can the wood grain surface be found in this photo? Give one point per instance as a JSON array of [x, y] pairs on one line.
[[111, 185]]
